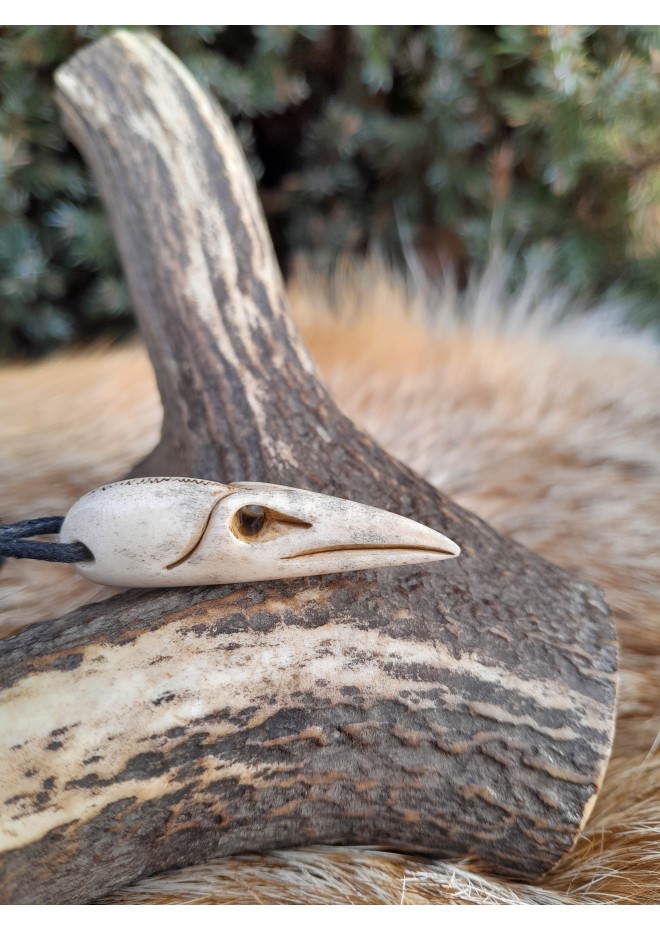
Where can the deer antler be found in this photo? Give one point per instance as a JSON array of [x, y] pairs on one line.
[[464, 709]]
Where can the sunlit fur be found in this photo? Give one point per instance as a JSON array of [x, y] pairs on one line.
[[542, 419]]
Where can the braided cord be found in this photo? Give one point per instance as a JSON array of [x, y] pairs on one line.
[[16, 544]]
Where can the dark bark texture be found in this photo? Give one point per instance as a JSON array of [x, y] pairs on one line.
[[463, 709]]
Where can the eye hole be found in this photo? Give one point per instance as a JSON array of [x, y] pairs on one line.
[[251, 519]]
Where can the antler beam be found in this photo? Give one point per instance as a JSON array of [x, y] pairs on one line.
[[460, 709]]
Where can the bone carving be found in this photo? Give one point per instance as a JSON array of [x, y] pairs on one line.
[[166, 532]]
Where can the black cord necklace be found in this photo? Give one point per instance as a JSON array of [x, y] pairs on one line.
[[16, 542]]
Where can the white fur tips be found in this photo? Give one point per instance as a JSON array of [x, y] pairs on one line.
[[166, 532]]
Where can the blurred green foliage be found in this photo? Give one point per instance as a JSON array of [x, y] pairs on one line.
[[434, 144]]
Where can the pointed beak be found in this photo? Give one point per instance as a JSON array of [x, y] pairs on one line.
[[366, 537], [342, 535]]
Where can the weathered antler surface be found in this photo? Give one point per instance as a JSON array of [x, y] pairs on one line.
[[463, 709]]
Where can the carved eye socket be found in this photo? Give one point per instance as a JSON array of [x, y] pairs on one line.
[[251, 519]]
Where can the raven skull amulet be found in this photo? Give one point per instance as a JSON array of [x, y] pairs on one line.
[[166, 532]]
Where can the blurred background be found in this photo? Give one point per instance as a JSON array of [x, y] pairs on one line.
[[437, 146]]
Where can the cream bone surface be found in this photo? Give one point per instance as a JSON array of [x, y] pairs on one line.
[[155, 532]]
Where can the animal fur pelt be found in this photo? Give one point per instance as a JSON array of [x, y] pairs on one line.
[[542, 419]]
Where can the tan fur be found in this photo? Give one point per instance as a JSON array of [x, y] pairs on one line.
[[545, 424]]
